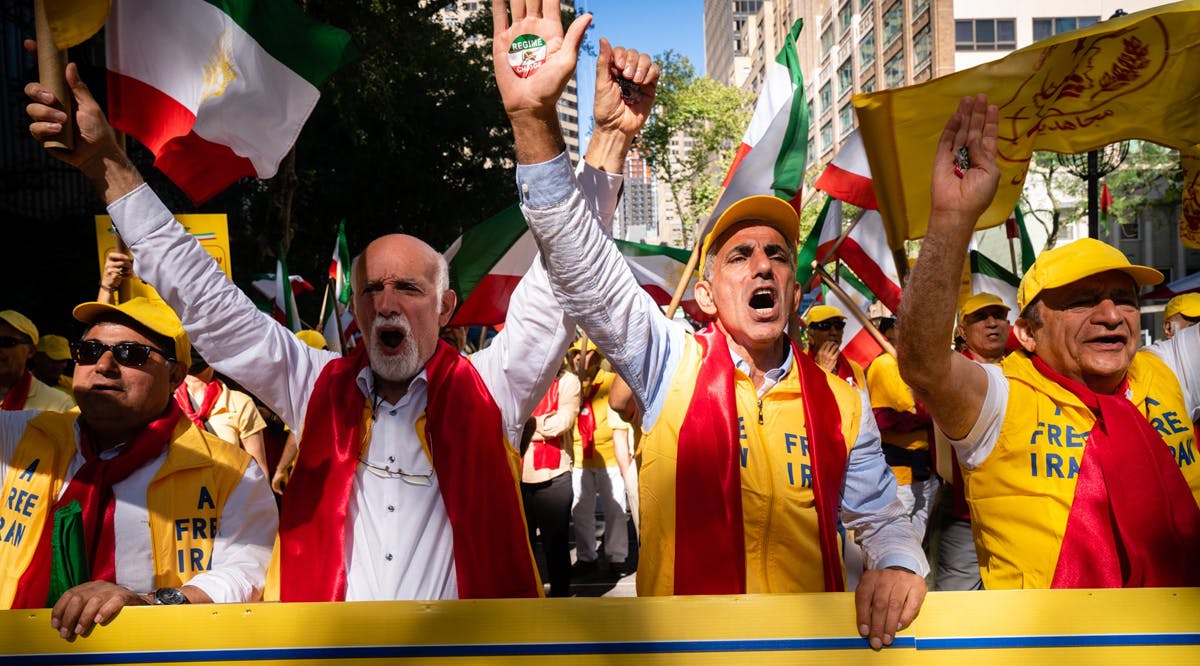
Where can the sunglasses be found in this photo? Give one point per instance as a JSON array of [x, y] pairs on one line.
[[8, 342], [128, 354], [828, 324]]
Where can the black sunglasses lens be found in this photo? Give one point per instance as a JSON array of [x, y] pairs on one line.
[[131, 354], [839, 325], [8, 342], [87, 352]]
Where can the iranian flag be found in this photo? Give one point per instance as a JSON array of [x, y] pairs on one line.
[[217, 90], [772, 155], [989, 276], [848, 176], [857, 344], [487, 262], [282, 293], [339, 267], [865, 251]]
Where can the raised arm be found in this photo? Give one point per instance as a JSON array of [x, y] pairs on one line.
[[224, 324], [951, 387]]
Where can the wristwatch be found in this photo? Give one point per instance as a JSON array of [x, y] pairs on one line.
[[169, 596]]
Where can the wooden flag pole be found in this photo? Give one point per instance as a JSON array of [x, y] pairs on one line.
[[858, 314], [52, 64], [837, 244], [1012, 255]]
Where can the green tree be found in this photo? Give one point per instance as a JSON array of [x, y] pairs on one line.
[[1147, 185], [1060, 188], [691, 137]]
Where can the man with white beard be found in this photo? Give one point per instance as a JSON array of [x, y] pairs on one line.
[[406, 483]]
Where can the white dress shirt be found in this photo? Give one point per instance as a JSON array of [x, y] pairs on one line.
[[399, 542]]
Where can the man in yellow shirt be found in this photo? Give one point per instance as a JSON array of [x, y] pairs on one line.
[[52, 362], [19, 389], [1079, 458], [825, 325]]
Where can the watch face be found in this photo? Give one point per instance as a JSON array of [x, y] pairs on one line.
[[169, 596]]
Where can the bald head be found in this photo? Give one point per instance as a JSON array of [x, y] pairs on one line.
[[403, 244]]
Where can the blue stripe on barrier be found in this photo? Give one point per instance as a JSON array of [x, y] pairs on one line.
[[467, 650], [1057, 641], [625, 647]]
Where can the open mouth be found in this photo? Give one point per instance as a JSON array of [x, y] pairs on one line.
[[391, 338], [763, 300], [1114, 341]]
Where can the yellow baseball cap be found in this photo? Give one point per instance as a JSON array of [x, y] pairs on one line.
[[575, 346], [55, 347], [154, 315], [21, 323], [1075, 261], [980, 301], [766, 209], [312, 339], [1187, 305], [822, 312]]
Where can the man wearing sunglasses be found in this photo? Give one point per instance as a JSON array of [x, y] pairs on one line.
[[127, 502], [405, 484], [19, 389], [825, 325], [753, 456]]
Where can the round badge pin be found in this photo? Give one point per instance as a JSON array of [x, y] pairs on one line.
[[526, 54]]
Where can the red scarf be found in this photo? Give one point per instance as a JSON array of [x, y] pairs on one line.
[[17, 394], [587, 422], [211, 392], [843, 370], [547, 454], [92, 488], [491, 555], [710, 551], [1133, 521]]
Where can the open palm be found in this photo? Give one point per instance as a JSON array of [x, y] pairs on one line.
[[542, 88]]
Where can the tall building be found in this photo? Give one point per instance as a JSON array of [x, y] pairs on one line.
[[637, 215], [726, 44], [454, 14]]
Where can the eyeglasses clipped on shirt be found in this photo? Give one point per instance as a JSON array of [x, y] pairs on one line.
[[128, 354], [839, 324], [8, 342]]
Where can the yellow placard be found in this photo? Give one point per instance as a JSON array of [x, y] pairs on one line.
[[210, 229], [1055, 627]]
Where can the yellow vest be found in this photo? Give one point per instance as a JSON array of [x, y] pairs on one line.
[[604, 455], [185, 498], [783, 551], [889, 391], [1021, 495]]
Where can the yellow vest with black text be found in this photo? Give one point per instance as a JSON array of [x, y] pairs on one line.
[[888, 390], [783, 552], [1021, 495], [604, 455], [185, 498]]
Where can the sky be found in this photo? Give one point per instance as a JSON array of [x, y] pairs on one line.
[[646, 25]]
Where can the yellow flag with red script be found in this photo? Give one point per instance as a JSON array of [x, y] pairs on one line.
[[1189, 225], [1132, 77]]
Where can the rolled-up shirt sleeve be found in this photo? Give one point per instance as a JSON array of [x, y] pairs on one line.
[[870, 506]]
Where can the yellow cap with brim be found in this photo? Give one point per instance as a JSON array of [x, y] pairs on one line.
[[980, 301], [312, 339], [21, 323], [820, 313], [575, 346], [55, 347], [1075, 261], [764, 209], [1187, 305], [154, 315]]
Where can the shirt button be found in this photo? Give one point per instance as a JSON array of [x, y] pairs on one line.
[[391, 458], [388, 557], [391, 507], [392, 413]]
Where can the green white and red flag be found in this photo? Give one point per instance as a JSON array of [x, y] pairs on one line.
[[218, 90], [989, 276], [774, 150], [857, 344], [339, 267], [282, 293], [488, 261]]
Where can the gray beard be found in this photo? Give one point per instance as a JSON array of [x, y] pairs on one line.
[[394, 367]]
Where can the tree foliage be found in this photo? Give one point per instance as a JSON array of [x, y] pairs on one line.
[[691, 137]]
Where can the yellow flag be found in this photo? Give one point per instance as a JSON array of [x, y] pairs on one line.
[[1189, 225], [1133, 77], [73, 22]]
